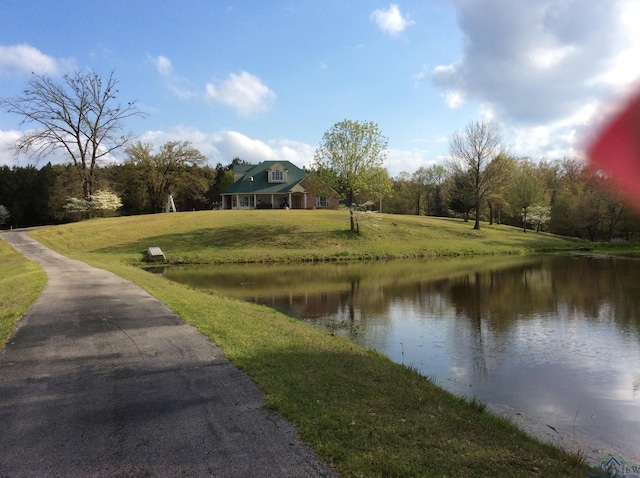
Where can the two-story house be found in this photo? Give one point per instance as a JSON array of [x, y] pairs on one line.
[[275, 185]]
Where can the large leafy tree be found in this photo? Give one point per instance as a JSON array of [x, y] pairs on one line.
[[427, 180], [402, 198], [78, 115], [380, 187], [526, 192], [223, 179], [350, 158], [461, 194], [502, 168], [171, 171], [586, 205], [472, 152]]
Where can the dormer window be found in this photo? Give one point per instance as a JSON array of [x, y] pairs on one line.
[[277, 173], [277, 176]]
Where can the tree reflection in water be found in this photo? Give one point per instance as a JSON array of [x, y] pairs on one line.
[[555, 337]]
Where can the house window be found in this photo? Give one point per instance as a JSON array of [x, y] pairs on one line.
[[277, 176], [244, 201], [322, 201]]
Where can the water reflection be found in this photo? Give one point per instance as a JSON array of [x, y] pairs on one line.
[[556, 338]]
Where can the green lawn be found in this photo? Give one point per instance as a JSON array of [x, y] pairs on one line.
[[364, 414], [21, 281], [294, 235]]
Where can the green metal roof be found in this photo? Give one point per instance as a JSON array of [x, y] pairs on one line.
[[260, 175], [241, 168]]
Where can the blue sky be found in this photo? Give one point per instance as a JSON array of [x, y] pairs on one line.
[[265, 80]]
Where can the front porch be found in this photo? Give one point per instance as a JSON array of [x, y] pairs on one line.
[[293, 200]]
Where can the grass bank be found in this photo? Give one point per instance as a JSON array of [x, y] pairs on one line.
[[364, 414], [280, 236], [621, 249], [21, 281]]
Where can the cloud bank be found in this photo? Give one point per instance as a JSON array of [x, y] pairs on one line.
[[541, 67], [222, 146]]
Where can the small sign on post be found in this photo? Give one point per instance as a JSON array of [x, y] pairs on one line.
[[155, 254]]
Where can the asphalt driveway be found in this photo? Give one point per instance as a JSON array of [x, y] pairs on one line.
[[101, 379]]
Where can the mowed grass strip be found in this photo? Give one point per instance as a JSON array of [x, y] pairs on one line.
[[21, 281], [365, 415]]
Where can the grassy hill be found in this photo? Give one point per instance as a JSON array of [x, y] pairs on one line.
[[364, 414], [294, 235]]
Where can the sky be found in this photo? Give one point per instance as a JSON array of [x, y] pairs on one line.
[[265, 80]]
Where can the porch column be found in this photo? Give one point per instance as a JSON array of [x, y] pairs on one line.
[[273, 206], [290, 205], [304, 200]]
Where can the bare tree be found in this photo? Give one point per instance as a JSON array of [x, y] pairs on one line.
[[78, 115], [472, 152]]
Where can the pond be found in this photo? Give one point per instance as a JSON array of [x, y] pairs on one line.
[[552, 342]]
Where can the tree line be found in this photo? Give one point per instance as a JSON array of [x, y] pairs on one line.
[[563, 197], [52, 194], [81, 117], [480, 180]]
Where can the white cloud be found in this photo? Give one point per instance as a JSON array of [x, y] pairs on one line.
[[25, 59], [454, 99], [223, 146], [625, 68], [564, 137], [399, 160], [245, 147], [551, 56], [7, 140], [163, 65], [244, 93], [444, 73], [299, 153], [391, 21], [533, 60], [174, 82]]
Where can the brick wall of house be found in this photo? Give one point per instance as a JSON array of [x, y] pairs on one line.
[[334, 201]]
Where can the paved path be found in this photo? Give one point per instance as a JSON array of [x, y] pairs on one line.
[[101, 379]]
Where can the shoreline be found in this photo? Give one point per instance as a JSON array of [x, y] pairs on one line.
[[589, 448]]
